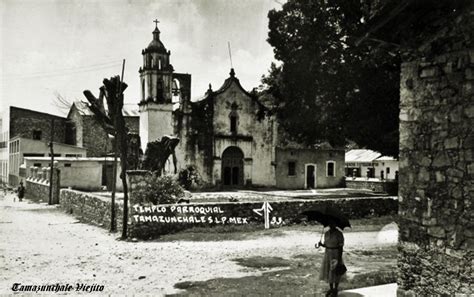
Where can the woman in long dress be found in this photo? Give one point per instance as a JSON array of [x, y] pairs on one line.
[[333, 243]]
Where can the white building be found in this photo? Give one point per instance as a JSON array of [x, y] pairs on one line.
[[370, 164]]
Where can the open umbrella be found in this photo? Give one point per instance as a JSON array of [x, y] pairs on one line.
[[325, 213]]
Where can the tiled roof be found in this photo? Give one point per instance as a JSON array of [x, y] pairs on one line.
[[362, 155]]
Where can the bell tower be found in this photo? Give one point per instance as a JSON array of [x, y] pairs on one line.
[[156, 83]]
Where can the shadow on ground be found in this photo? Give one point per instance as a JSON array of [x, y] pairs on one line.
[[297, 276]]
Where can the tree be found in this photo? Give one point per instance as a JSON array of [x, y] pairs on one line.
[[327, 88], [113, 123], [158, 152]]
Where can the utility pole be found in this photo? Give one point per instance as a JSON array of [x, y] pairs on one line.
[[51, 149]]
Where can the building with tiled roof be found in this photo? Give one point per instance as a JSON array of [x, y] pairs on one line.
[[370, 164]]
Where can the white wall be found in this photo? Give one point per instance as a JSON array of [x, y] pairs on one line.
[[383, 165]]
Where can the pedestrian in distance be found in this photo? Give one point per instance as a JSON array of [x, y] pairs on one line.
[[332, 267], [21, 191]]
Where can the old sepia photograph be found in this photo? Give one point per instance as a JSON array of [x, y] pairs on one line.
[[237, 148]]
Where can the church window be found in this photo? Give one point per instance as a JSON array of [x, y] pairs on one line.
[[159, 63], [233, 124], [330, 168], [37, 134], [291, 168], [233, 117]]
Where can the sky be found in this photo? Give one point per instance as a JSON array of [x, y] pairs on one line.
[[63, 47]]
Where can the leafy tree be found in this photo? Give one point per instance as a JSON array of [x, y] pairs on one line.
[[326, 88]]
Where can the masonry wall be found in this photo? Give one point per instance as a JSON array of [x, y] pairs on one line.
[[390, 187], [23, 122], [151, 221], [89, 208], [437, 166], [37, 187], [94, 138]]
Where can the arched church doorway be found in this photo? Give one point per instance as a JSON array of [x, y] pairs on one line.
[[233, 167]]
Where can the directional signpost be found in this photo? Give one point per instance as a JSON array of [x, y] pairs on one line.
[[266, 208]]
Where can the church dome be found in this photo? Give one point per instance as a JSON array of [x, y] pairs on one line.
[[156, 46]]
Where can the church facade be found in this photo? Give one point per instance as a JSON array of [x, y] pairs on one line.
[[228, 136]]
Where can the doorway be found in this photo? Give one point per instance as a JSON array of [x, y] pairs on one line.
[[233, 167], [310, 176]]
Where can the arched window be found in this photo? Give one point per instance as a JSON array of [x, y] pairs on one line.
[[159, 63]]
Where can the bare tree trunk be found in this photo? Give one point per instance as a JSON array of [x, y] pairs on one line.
[[113, 218], [125, 198]]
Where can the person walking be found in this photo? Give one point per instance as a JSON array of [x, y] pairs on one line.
[[21, 191], [332, 267]]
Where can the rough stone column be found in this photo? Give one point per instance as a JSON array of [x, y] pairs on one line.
[[136, 182], [436, 240]]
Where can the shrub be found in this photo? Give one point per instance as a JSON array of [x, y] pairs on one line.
[[160, 190], [189, 176]]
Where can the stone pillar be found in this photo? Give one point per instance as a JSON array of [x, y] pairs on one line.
[[136, 182], [34, 172], [44, 174], [47, 174], [436, 241]]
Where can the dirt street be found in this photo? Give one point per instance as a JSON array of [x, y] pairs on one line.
[[42, 245]]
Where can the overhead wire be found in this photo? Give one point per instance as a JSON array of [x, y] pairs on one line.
[[66, 71]]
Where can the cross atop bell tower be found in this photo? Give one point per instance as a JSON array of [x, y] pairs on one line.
[[156, 72], [156, 32]]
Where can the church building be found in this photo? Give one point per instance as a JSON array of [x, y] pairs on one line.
[[229, 137]]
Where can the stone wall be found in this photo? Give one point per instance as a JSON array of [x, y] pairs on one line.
[[89, 208], [150, 221], [37, 185], [437, 164], [94, 137], [390, 187], [24, 121]]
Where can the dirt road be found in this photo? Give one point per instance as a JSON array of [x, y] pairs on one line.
[[42, 245]]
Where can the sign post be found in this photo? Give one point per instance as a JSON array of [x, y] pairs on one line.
[[266, 208]]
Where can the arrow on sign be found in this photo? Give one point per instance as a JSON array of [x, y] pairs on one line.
[[266, 208]]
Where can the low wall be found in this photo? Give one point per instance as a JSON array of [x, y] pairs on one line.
[[90, 208], [149, 221], [390, 187], [37, 188]]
